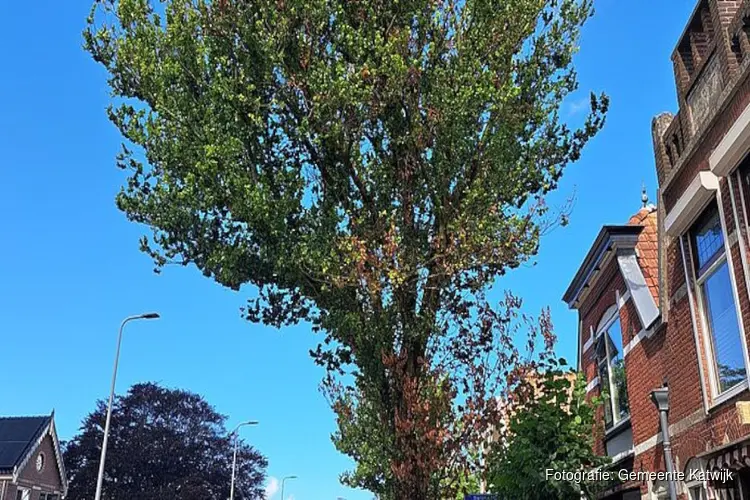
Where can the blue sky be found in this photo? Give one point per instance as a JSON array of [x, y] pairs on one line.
[[70, 268]]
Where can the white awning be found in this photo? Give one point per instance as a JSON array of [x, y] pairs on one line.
[[732, 459]]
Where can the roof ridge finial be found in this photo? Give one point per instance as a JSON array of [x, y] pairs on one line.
[[644, 195]]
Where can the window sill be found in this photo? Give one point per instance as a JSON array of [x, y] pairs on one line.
[[618, 428], [621, 457], [727, 395]]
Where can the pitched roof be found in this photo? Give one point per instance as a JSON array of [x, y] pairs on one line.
[[609, 237], [17, 436], [629, 234]]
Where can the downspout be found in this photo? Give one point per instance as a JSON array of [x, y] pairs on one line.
[[2, 493], [660, 397]]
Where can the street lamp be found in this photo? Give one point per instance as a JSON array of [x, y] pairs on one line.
[[100, 477], [282, 484], [235, 433]]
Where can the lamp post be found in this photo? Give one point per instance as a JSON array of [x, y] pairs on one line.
[[100, 476], [660, 397], [282, 484], [235, 433]]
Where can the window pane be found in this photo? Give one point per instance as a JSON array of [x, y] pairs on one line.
[[620, 407], [725, 333], [601, 351], [604, 384], [708, 240]]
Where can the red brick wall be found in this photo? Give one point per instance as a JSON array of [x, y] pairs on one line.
[[643, 363], [669, 355], [672, 354]]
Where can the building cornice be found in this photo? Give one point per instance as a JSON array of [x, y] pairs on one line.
[[611, 238]]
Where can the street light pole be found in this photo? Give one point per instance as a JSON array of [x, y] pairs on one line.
[[282, 484], [235, 433], [100, 476]]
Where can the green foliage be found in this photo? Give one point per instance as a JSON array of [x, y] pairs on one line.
[[466, 484], [552, 427], [371, 167], [163, 443]]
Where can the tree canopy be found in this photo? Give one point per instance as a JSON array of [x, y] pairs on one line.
[[163, 443], [370, 167]]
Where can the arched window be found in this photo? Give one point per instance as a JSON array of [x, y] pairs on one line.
[[694, 480], [611, 363]]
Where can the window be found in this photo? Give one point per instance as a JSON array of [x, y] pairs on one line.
[[743, 175], [697, 493], [716, 302], [695, 487], [660, 490], [611, 363], [48, 496], [23, 494]]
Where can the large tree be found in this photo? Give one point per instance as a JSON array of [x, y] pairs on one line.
[[371, 166], [163, 443]]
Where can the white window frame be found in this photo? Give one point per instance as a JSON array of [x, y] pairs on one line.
[[25, 493], [608, 319], [697, 282], [660, 490], [693, 485]]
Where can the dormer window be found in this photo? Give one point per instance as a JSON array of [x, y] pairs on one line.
[[716, 302], [611, 362]]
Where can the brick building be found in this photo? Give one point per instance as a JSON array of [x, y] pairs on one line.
[[664, 300], [31, 465]]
